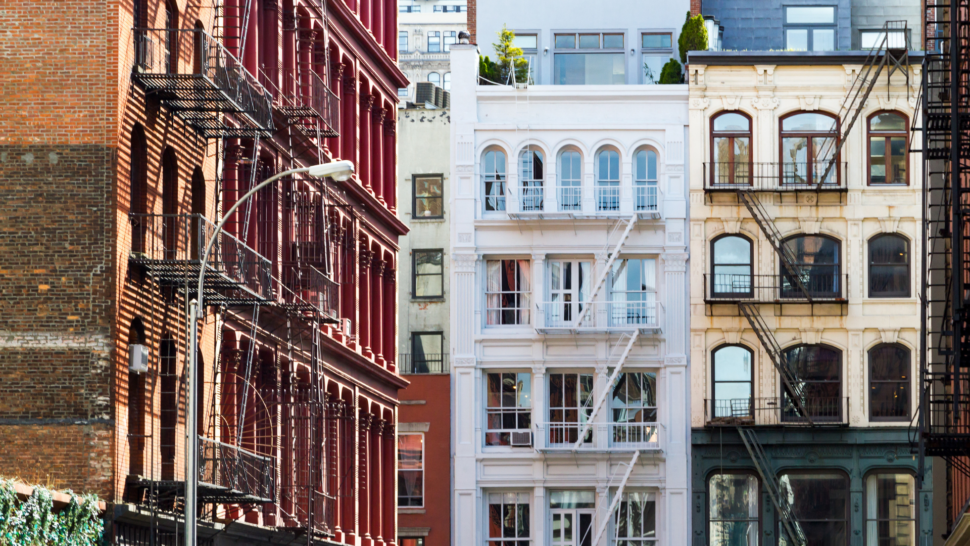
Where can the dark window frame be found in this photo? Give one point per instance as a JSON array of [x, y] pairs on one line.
[[415, 197], [887, 135], [787, 418], [731, 135], [422, 471], [909, 267], [792, 289], [810, 42], [415, 275], [809, 153], [750, 265], [738, 472], [865, 501], [714, 381], [848, 500], [909, 382], [426, 361]]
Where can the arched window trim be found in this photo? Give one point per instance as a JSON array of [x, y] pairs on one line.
[[809, 172], [714, 352], [871, 133], [837, 284], [713, 291], [906, 379], [731, 176], [909, 266], [822, 411], [494, 183]]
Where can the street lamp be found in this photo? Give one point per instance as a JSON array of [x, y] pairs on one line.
[[339, 171]]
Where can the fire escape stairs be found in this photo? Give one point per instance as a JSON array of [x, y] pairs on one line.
[[627, 226], [781, 501], [615, 503], [625, 342]]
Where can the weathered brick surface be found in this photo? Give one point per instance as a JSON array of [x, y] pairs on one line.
[[472, 14], [65, 456]]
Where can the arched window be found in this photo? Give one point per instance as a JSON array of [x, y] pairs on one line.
[[888, 148], [530, 178], [808, 143], [136, 405], [818, 259], [731, 269], [447, 84], [170, 204], [169, 413], [139, 188], [734, 509], [732, 375], [889, 379], [493, 177], [817, 370], [889, 267], [570, 180], [607, 180], [198, 212], [645, 179], [730, 150], [435, 78]]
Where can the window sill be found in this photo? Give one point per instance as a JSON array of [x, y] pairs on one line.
[[436, 299], [410, 510], [426, 220], [893, 299]]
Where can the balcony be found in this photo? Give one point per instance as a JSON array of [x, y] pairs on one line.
[[305, 288], [824, 287], [423, 364], [310, 105], [202, 91], [947, 420], [170, 248], [561, 437], [534, 202], [560, 317], [778, 411], [774, 177], [230, 474]]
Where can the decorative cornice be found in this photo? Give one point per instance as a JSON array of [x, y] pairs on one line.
[[464, 263], [766, 103]]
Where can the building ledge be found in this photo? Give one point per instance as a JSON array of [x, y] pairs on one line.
[[729, 58]]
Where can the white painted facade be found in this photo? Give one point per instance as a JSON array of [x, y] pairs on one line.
[[626, 119], [416, 19]]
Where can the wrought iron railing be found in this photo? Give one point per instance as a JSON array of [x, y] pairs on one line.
[[228, 472], [947, 414], [776, 411], [777, 176], [603, 314], [172, 246], [304, 286], [729, 288], [194, 75], [428, 363]]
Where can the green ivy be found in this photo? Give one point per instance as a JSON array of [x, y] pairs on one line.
[[34, 523]]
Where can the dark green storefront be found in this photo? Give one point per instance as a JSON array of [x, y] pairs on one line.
[[848, 486]]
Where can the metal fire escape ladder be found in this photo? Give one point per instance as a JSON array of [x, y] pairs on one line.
[[604, 523], [782, 503], [761, 217], [601, 280], [629, 339], [881, 55]]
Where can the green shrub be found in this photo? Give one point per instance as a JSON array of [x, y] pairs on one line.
[[488, 70], [671, 73], [693, 36], [33, 522]]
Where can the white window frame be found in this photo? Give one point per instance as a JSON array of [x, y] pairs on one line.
[[447, 35], [656, 519], [646, 52], [523, 315], [649, 197], [402, 34], [531, 53], [423, 453], [434, 34], [588, 51], [502, 410], [519, 498], [648, 293]]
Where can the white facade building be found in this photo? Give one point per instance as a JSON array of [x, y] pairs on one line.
[[569, 306], [426, 31]]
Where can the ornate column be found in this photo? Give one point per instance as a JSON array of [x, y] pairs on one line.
[[363, 475], [390, 493], [377, 22], [332, 469], [675, 435], [348, 125], [390, 319], [351, 462], [377, 482], [364, 148], [363, 287], [538, 290], [377, 309], [390, 165], [377, 152]]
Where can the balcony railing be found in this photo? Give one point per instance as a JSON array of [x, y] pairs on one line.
[[781, 176], [570, 198], [607, 199], [732, 288], [941, 421], [170, 247], [202, 91], [600, 436], [531, 199], [306, 288], [647, 198], [231, 474], [603, 315], [310, 97], [409, 364], [778, 411]]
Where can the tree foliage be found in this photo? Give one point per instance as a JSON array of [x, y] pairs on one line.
[[693, 36], [509, 59], [33, 522]]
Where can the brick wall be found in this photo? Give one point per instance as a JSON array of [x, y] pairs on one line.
[[472, 11], [695, 7]]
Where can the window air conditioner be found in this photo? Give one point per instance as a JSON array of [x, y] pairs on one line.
[[346, 327], [522, 438], [138, 358]]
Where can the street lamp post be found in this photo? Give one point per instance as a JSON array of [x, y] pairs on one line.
[[339, 171]]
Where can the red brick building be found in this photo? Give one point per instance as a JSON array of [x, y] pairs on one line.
[[128, 129]]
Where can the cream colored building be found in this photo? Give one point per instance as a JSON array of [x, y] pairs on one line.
[[850, 338]]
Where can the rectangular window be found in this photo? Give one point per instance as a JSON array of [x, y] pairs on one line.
[[810, 28], [598, 60], [529, 44], [634, 405], [427, 353], [656, 41], [822, 504], [633, 292], [434, 41], [572, 517], [655, 50], [450, 37], [428, 193], [402, 41], [428, 273], [508, 420], [733, 511], [891, 509], [876, 38], [409, 9], [568, 292], [410, 469], [439, 9], [635, 522], [570, 406], [508, 292], [402, 92], [508, 519]]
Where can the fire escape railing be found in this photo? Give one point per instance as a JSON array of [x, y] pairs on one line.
[[196, 77], [228, 473], [824, 286], [783, 176], [304, 287]]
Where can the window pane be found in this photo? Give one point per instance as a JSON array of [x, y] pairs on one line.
[[590, 69], [652, 67], [572, 499], [589, 41], [734, 496], [897, 160], [808, 123], [426, 346], [887, 122], [733, 533], [732, 122], [435, 78], [565, 41], [810, 15], [797, 39], [732, 250], [877, 160], [823, 39], [656, 41], [410, 448], [817, 497], [732, 364], [890, 496], [889, 363], [526, 41], [613, 41]]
